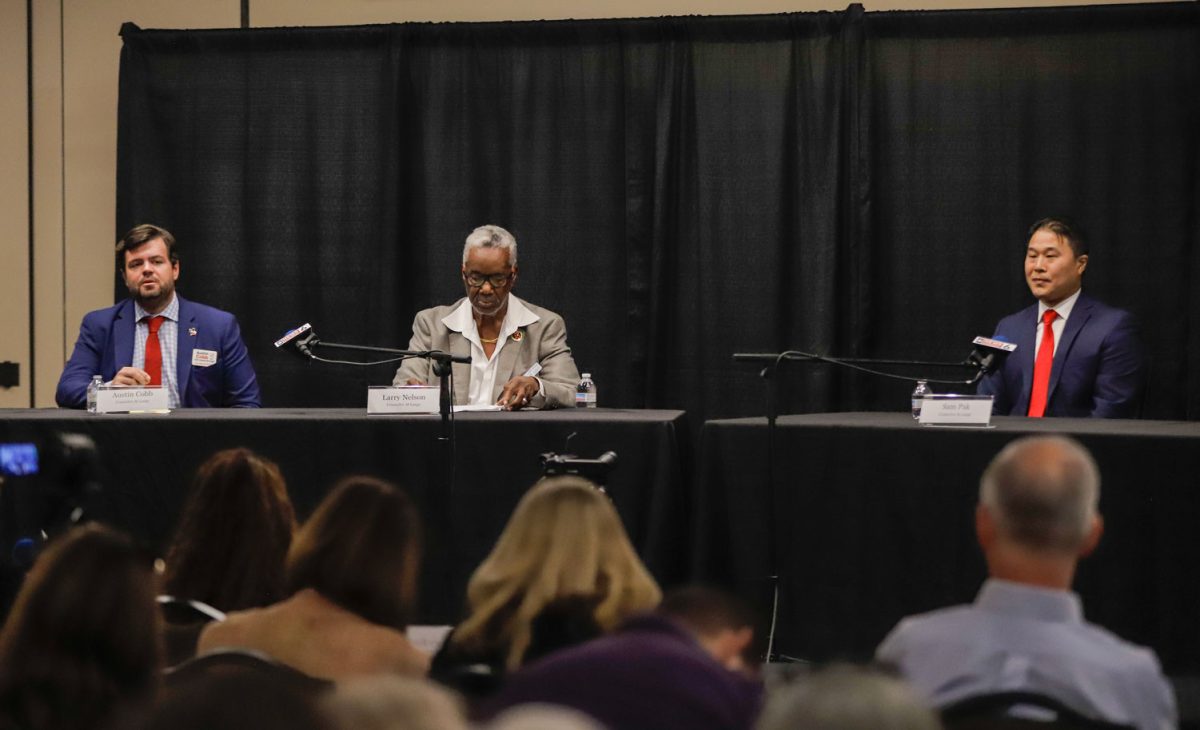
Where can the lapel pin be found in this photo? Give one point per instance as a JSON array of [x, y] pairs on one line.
[[516, 336], [191, 331]]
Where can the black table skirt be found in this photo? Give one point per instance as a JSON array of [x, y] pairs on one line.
[[873, 515], [149, 461]]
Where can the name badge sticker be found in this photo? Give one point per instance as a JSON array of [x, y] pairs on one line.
[[204, 358]]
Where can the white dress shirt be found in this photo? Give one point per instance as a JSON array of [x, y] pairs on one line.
[[483, 368], [1063, 309]]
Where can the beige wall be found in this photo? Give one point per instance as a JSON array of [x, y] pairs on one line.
[[269, 13], [14, 198], [75, 54]]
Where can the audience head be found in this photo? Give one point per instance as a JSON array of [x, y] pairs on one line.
[[563, 540], [241, 700], [361, 549], [81, 645], [388, 702], [1040, 494], [847, 698], [540, 716], [722, 623], [234, 534]]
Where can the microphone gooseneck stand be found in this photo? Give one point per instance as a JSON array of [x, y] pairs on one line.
[[771, 364], [441, 368], [439, 501]]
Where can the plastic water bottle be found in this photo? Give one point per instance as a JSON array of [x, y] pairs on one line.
[[585, 392], [93, 389], [919, 392]]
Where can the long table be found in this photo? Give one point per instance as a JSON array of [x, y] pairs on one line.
[[148, 462], [872, 516]]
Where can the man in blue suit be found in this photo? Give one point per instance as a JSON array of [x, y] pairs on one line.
[[1075, 356], [159, 338]]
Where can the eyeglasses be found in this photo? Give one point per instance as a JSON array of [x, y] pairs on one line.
[[476, 281]]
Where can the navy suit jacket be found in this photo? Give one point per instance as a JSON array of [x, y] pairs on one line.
[[1097, 370], [105, 345]]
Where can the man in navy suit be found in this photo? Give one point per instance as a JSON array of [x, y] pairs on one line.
[[194, 351], [1075, 356]]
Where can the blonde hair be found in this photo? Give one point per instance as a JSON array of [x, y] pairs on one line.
[[564, 539]]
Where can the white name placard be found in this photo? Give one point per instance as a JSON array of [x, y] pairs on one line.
[[403, 399], [947, 409], [126, 398]]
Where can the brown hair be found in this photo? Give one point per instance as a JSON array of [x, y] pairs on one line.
[[707, 611], [564, 539], [235, 699], [234, 534], [81, 645], [142, 234], [361, 549]]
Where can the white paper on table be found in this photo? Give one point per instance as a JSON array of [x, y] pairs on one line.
[[427, 638]]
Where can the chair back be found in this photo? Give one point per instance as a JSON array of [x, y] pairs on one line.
[[183, 620], [234, 661], [1018, 711]]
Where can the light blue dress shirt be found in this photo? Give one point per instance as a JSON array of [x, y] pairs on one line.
[[1021, 637], [168, 342]]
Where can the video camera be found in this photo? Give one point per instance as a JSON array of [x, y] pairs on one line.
[[595, 470], [45, 488]]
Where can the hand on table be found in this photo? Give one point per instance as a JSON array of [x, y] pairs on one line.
[[518, 393], [131, 376]]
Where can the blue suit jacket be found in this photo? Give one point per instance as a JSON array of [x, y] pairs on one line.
[[1097, 370], [105, 345]]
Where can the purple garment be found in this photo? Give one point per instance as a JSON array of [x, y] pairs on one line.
[[649, 673]]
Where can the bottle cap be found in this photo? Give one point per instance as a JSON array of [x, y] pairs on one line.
[[587, 375]]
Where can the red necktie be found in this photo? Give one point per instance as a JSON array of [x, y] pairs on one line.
[[154, 350], [1041, 367]]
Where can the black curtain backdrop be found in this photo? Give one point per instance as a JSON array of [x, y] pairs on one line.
[[854, 184]]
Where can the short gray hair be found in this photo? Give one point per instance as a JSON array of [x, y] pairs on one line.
[[392, 702], [1043, 492], [845, 697], [490, 236]]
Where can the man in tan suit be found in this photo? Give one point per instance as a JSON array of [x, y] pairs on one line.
[[519, 353]]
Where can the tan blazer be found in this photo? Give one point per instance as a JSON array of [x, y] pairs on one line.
[[313, 634], [544, 341]]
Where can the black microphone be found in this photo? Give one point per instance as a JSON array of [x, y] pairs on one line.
[[301, 337], [989, 353]]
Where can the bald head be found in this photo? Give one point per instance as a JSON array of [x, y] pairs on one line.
[[1042, 493]]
